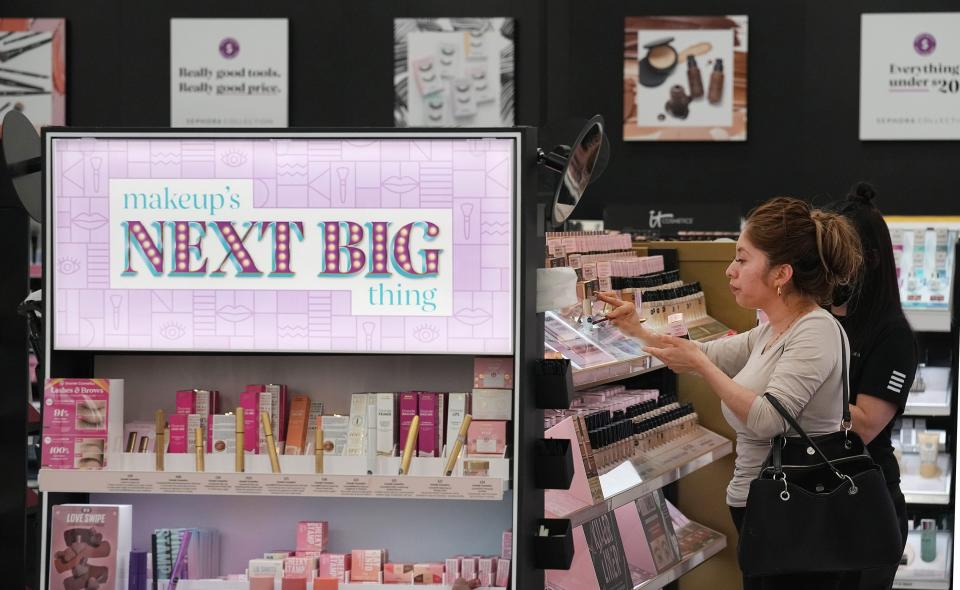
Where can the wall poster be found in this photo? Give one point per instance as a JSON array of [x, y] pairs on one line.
[[33, 76]]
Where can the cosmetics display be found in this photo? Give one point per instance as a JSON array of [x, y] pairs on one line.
[[90, 546], [924, 255], [927, 558]]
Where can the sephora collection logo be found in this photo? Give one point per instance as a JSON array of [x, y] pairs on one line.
[[229, 48], [924, 44]]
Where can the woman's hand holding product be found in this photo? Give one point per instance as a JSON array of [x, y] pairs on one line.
[[680, 354]]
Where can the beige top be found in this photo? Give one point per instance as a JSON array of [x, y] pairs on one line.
[[802, 369]]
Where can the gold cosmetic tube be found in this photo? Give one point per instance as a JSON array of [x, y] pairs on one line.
[[458, 445], [410, 446], [160, 422], [318, 445], [238, 465], [271, 446], [199, 447]]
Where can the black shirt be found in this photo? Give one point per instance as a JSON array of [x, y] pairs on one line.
[[883, 363]]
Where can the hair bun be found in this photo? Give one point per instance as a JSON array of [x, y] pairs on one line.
[[862, 193]]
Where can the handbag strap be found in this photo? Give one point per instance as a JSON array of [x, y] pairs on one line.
[[845, 422], [773, 401]]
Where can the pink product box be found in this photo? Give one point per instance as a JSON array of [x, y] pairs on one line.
[[299, 567], [468, 568], [451, 570], [493, 373], [178, 433], [398, 573], [92, 540], [366, 565], [334, 565], [409, 404], [506, 545], [428, 442], [250, 402], [312, 536], [487, 570], [428, 573], [487, 438], [503, 573]]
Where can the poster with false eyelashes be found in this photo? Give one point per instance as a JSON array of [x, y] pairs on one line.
[[685, 78], [33, 69], [454, 72]]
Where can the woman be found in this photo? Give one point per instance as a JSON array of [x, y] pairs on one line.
[[884, 356], [789, 260]]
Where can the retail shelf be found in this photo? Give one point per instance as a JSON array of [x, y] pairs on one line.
[[925, 490], [297, 479], [633, 479], [928, 320], [714, 543], [584, 379], [921, 575], [935, 399], [245, 585]]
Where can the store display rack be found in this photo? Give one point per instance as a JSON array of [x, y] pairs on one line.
[[716, 543], [921, 575]]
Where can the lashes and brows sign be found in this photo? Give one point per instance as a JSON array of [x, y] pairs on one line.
[[206, 234]]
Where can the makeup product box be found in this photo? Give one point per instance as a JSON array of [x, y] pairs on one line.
[[428, 573], [299, 567], [503, 573], [476, 468], [265, 567], [312, 535], [278, 554], [493, 372], [428, 443], [178, 433], [487, 570], [326, 583], [223, 437], [409, 406], [451, 570], [297, 427], [334, 565], [272, 399], [316, 410], [468, 568], [90, 541], [487, 438], [293, 583], [335, 429], [388, 424], [262, 583], [356, 435], [492, 404], [458, 405], [250, 402], [366, 565], [506, 545], [84, 415], [398, 573]]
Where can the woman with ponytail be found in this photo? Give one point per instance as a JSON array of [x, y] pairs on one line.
[[884, 355], [790, 259]]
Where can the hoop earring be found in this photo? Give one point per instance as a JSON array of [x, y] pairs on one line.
[[779, 291]]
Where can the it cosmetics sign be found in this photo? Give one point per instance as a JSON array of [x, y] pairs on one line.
[[171, 234], [910, 76]]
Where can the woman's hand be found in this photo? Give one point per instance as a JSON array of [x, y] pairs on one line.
[[679, 354], [624, 316]]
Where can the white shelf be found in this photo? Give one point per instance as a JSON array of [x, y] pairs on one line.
[[245, 585], [923, 490], [584, 379], [928, 320], [688, 562], [634, 479], [935, 399], [297, 479], [921, 575]]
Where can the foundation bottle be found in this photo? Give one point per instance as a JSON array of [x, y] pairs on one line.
[[694, 77], [715, 94]]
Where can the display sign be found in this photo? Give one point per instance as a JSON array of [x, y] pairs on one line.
[[910, 76], [294, 244], [606, 550], [228, 72], [33, 70]]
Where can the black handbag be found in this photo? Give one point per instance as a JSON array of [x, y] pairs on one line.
[[820, 504]]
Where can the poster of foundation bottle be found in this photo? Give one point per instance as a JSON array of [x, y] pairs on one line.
[[453, 72], [685, 78]]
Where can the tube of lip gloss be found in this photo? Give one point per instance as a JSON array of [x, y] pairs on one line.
[[318, 445], [238, 430], [271, 446], [160, 422], [458, 445], [410, 446], [199, 448]]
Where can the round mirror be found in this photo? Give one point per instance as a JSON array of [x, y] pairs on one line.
[[576, 164], [21, 154]]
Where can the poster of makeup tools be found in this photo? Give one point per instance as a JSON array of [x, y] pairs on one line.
[[453, 72], [228, 72], [685, 78], [33, 73], [910, 76]]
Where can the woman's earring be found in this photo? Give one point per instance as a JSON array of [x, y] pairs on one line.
[[779, 291]]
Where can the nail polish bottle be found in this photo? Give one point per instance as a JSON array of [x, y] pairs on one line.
[[715, 94], [694, 77]]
